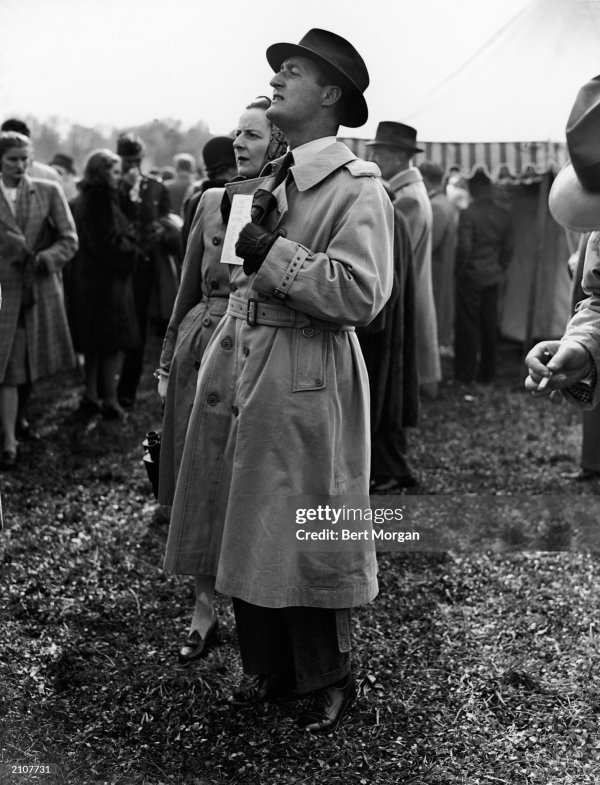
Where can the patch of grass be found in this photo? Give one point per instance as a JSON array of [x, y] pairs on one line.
[[475, 667]]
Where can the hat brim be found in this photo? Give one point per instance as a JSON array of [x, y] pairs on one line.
[[356, 111], [408, 147], [571, 205]]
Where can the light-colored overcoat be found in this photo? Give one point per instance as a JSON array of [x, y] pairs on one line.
[[201, 302], [281, 414], [49, 346], [411, 199], [584, 326], [443, 249]]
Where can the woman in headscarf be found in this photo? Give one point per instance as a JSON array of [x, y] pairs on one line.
[[201, 302]]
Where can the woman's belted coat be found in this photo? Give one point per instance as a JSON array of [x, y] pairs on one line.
[[281, 415], [201, 302], [48, 226]]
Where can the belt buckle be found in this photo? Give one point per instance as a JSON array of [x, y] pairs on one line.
[[251, 312]]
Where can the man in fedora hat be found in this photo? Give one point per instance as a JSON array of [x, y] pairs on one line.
[[283, 393], [392, 150], [572, 364], [483, 251]]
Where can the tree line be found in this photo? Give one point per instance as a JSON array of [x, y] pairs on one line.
[[163, 139]]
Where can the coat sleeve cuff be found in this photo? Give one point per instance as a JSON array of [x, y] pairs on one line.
[[280, 268], [586, 393]]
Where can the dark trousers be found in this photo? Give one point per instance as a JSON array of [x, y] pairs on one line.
[[475, 333], [311, 644], [389, 453], [133, 362]]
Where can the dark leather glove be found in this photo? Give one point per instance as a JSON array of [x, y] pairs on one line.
[[253, 245], [262, 204]]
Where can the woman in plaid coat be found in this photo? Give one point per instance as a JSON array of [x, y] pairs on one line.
[[37, 237]]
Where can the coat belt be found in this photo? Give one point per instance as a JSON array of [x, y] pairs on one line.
[[259, 312]]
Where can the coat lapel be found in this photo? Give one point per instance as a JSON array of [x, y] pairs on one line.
[[31, 210]]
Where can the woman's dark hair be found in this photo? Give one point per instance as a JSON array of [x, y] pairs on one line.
[[10, 139], [97, 168]]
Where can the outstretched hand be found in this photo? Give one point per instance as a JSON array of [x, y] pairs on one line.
[[561, 363]]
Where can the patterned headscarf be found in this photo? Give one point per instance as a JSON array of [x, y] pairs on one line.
[[277, 145]]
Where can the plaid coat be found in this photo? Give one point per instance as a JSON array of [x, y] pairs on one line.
[[48, 226]]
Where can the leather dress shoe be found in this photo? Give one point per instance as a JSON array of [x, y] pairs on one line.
[[327, 706], [197, 647], [581, 475], [8, 460], [271, 688]]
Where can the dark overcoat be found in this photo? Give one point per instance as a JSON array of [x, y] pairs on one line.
[[102, 312], [388, 345]]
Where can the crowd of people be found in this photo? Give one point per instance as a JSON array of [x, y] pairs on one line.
[[305, 297]]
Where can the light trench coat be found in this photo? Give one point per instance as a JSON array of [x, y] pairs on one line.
[[201, 302], [584, 326], [411, 199], [282, 412]]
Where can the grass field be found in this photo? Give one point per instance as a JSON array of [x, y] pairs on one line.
[[477, 664]]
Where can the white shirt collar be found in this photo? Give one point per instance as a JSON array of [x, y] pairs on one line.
[[306, 152], [10, 194]]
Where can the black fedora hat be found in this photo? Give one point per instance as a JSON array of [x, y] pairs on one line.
[[398, 135], [334, 52], [574, 199]]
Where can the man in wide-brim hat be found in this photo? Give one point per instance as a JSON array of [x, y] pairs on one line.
[[572, 363], [280, 423], [392, 149]]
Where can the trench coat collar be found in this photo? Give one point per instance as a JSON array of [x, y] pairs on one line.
[[407, 177], [307, 175]]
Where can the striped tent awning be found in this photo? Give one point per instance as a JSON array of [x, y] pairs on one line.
[[500, 158]]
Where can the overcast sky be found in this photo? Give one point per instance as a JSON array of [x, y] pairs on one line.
[[124, 62]]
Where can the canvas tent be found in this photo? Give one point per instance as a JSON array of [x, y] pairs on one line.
[[507, 106]]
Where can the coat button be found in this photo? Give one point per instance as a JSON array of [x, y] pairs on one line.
[[212, 399], [206, 321], [227, 343], [281, 232], [197, 365], [216, 241], [235, 411], [245, 351], [318, 382], [308, 332], [232, 287]]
